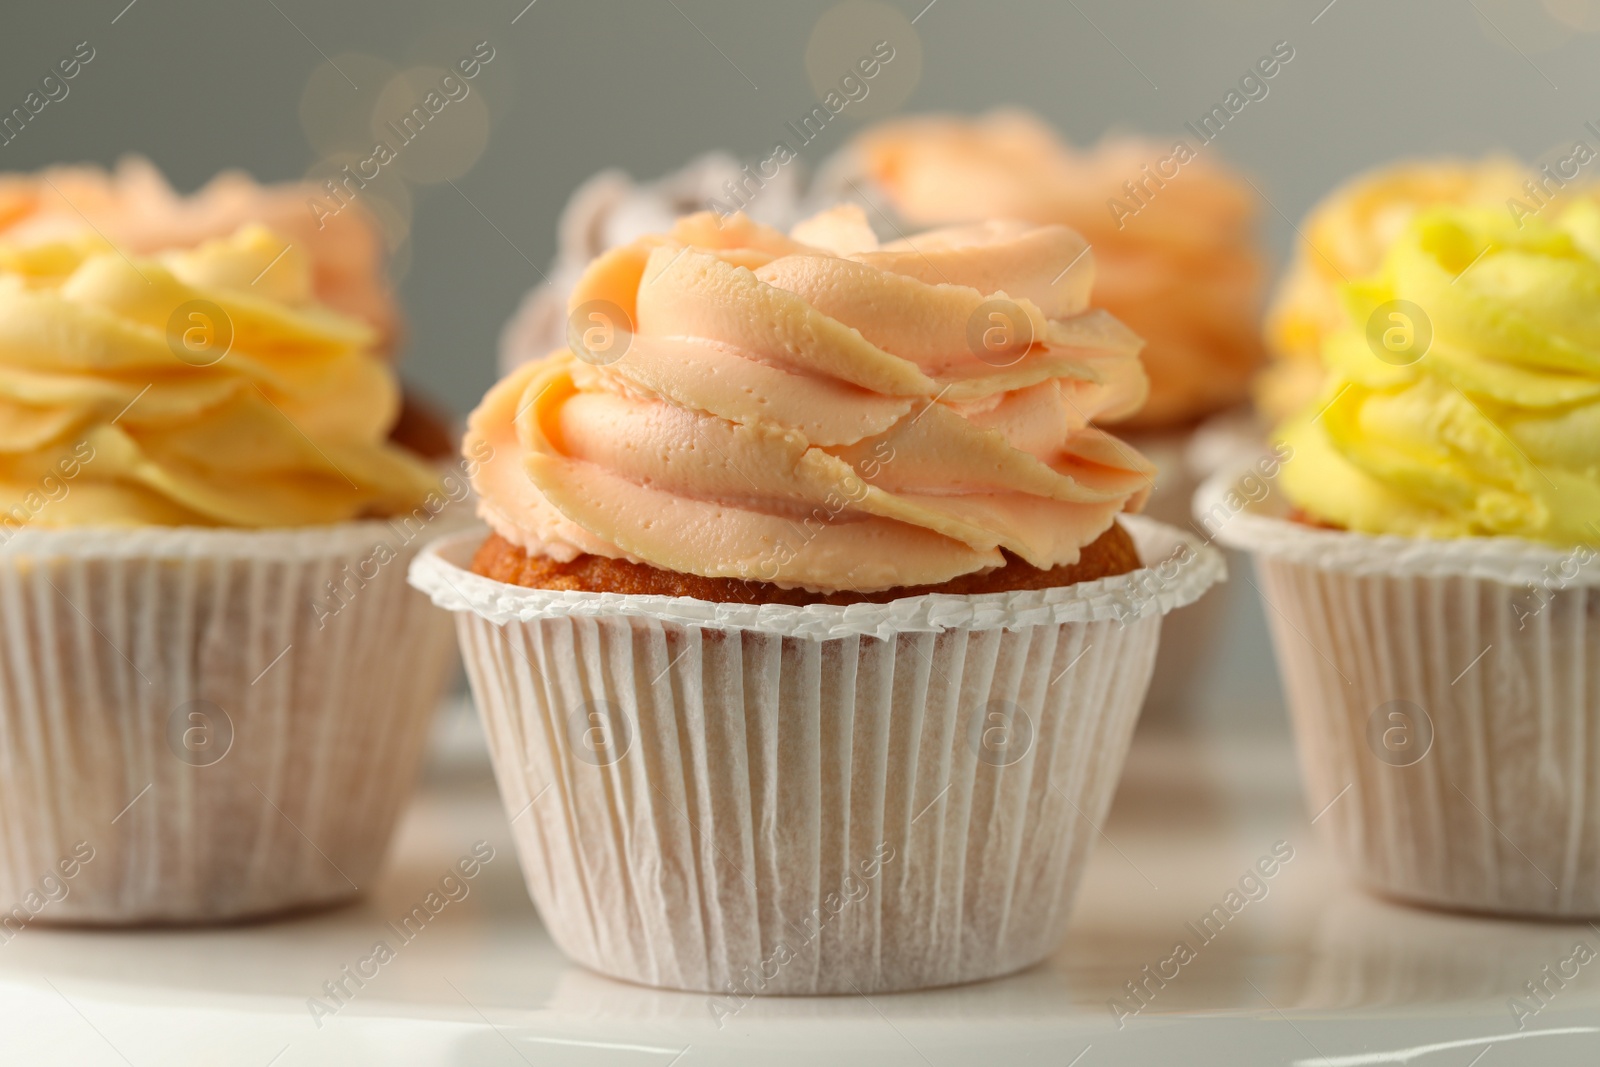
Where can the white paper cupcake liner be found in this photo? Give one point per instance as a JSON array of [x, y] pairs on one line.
[[742, 799], [1446, 704], [200, 712]]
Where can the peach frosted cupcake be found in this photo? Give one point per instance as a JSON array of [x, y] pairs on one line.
[[811, 628], [217, 681], [1430, 564]]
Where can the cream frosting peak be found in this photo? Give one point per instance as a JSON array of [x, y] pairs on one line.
[[831, 415]]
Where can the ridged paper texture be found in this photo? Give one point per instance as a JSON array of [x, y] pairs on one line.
[[1446, 705], [1502, 812], [225, 733], [742, 812], [762, 772]]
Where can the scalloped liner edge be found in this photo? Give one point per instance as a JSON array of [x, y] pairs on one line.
[[1262, 527], [438, 571]]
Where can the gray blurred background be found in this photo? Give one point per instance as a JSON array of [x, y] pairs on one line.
[[287, 88], [577, 85]]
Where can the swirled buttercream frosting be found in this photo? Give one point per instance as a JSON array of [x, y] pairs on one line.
[[612, 208], [819, 410], [203, 387], [1346, 237], [1462, 395], [136, 209], [1178, 256]]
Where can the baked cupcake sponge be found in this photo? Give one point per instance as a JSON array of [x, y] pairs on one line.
[[1111, 554]]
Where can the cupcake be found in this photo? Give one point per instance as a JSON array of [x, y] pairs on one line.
[[811, 625], [1177, 259], [136, 210], [1346, 237], [611, 209], [1428, 565], [217, 683]]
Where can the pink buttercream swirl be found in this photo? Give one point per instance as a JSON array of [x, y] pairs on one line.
[[820, 410]]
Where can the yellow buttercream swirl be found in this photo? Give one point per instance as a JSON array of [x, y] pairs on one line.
[[1493, 427], [202, 387], [812, 410], [1346, 236], [136, 209]]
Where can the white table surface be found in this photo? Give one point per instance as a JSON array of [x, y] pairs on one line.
[[1315, 971]]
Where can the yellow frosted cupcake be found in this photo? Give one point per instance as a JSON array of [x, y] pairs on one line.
[[1430, 563], [217, 682]]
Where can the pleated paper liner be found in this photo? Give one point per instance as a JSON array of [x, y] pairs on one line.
[[1446, 704], [751, 799], [201, 725]]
